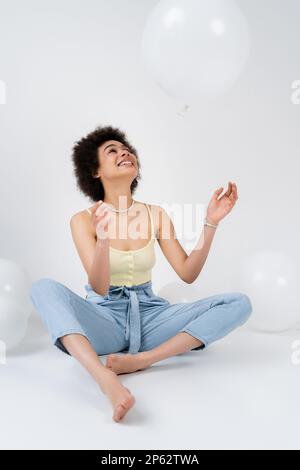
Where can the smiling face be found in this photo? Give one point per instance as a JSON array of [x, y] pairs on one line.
[[116, 160]]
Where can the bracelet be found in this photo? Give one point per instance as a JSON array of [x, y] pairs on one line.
[[210, 225]]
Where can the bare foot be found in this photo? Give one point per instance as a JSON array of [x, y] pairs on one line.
[[126, 363], [120, 397]]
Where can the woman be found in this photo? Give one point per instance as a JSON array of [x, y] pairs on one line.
[[121, 313]]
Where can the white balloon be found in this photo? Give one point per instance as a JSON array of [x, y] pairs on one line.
[[271, 281], [13, 322], [15, 284], [195, 47]]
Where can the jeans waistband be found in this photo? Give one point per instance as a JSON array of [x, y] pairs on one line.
[[122, 287], [128, 288]]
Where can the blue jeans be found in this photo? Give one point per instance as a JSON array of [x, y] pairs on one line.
[[134, 318]]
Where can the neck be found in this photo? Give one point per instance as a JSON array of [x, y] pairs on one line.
[[120, 198]]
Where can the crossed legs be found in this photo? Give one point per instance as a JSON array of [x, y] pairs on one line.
[[211, 318], [170, 333]]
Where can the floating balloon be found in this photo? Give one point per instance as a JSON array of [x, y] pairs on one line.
[[272, 283], [194, 48]]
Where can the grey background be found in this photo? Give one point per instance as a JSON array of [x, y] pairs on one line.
[[70, 65]]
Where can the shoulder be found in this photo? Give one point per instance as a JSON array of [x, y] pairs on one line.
[[157, 210], [85, 213], [82, 217], [160, 217], [154, 209]]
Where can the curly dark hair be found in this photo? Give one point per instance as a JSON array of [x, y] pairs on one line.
[[86, 162]]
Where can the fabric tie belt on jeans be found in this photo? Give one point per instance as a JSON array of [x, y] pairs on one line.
[[133, 320]]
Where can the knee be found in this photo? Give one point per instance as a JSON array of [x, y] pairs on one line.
[[244, 307], [41, 287]]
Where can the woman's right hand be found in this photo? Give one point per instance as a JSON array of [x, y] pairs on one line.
[[101, 217]]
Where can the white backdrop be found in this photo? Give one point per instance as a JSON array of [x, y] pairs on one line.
[[70, 65]]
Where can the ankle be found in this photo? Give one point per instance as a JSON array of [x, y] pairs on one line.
[[145, 358], [106, 378]]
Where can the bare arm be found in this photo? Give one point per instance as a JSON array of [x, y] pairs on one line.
[[189, 267], [168, 242], [94, 254], [99, 274], [194, 263], [186, 266]]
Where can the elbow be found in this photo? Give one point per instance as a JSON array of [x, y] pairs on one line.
[[99, 291], [188, 280], [103, 294]]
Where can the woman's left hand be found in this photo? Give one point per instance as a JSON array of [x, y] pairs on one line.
[[219, 208]]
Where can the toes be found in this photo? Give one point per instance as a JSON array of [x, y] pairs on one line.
[[122, 408], [128, 402], [119, 413]]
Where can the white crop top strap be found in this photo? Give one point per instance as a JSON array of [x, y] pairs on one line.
[[154, 233]]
